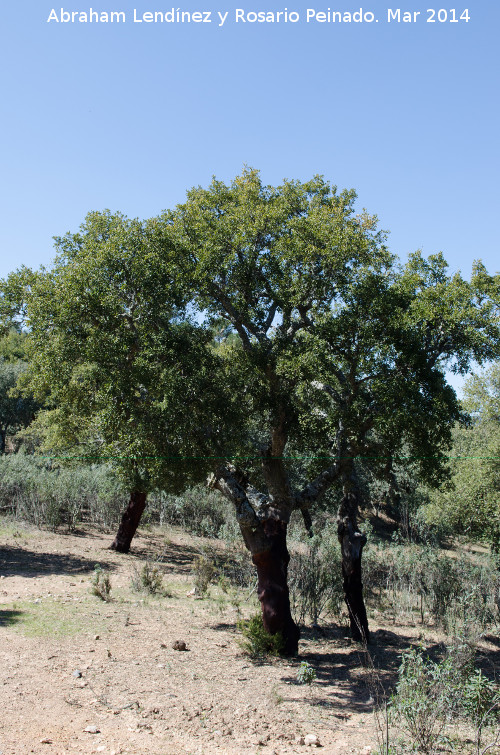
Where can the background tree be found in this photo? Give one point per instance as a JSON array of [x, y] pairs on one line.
[[124, 375], [16, 412], [470, 504], [342, 352]]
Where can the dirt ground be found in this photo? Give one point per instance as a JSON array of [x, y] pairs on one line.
[[81, 675]]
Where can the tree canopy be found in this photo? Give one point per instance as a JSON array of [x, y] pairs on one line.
[[326, 351], [343, 351], [124, 374], [470, 504]]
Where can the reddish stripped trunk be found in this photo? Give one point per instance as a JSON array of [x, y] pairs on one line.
[[130, 521], [272, 571], [265, 538]]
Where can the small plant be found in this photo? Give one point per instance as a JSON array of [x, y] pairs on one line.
[[257, 641], [306, 673], [315, 580], [479, 700], [100, 584], [276, 697], [421, 703], [149, 579], [204, 572], [430, 695]]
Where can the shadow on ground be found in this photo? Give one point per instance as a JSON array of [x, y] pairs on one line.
[[9, 617], [348, 677], [27, 563], [172, 558]]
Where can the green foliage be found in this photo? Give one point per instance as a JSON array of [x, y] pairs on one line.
[[13, 346], [420, 581], [204, 573], [480, 700], [482, 395], [421, 701], [256, 641], [100, 584], [315, 578], [306, 673], [470, 505], [337, 345], [116, 360], [430, 694], [236, 567], [197, 510], [149, 579], [33, 489], [15, 411]]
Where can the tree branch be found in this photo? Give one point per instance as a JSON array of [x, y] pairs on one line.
[[233, 484], [315, 489]]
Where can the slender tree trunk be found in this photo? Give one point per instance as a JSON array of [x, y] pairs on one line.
[[130, 521], [3, 433], [352, 542], [272, 572]]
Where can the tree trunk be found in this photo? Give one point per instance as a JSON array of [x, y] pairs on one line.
[[130, 521], [272, 571], [264, 532], [352, 542]]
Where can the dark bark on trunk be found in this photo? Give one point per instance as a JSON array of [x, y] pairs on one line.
[[130, 521], [264, 533], [308, 524], [3, 433], [352, 542], [272, 571]]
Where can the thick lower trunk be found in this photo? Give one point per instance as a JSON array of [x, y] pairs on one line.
[[272, 571], [352, 543], [130, 521], [263, 526]]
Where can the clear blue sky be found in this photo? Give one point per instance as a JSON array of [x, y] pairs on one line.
[[127, 116]]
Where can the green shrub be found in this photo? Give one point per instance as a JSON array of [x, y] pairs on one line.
[[430, 695], [256, 641], [149, 579], [422, 704], [235, 564], [306, 673], [100, 584], [315, 579], [204, 573], [480, 699], [419, 581], [39, 491], [198, 510]]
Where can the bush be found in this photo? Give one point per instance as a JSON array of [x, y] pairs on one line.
[[34, 490], [235, 564], [149, 579], [256, 641], [100, 584], [315, 579], [306, 674], [198, 510], [480, 698], [44, 493], [419, 580], [204, 573], [429, 694], [425, 699]]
